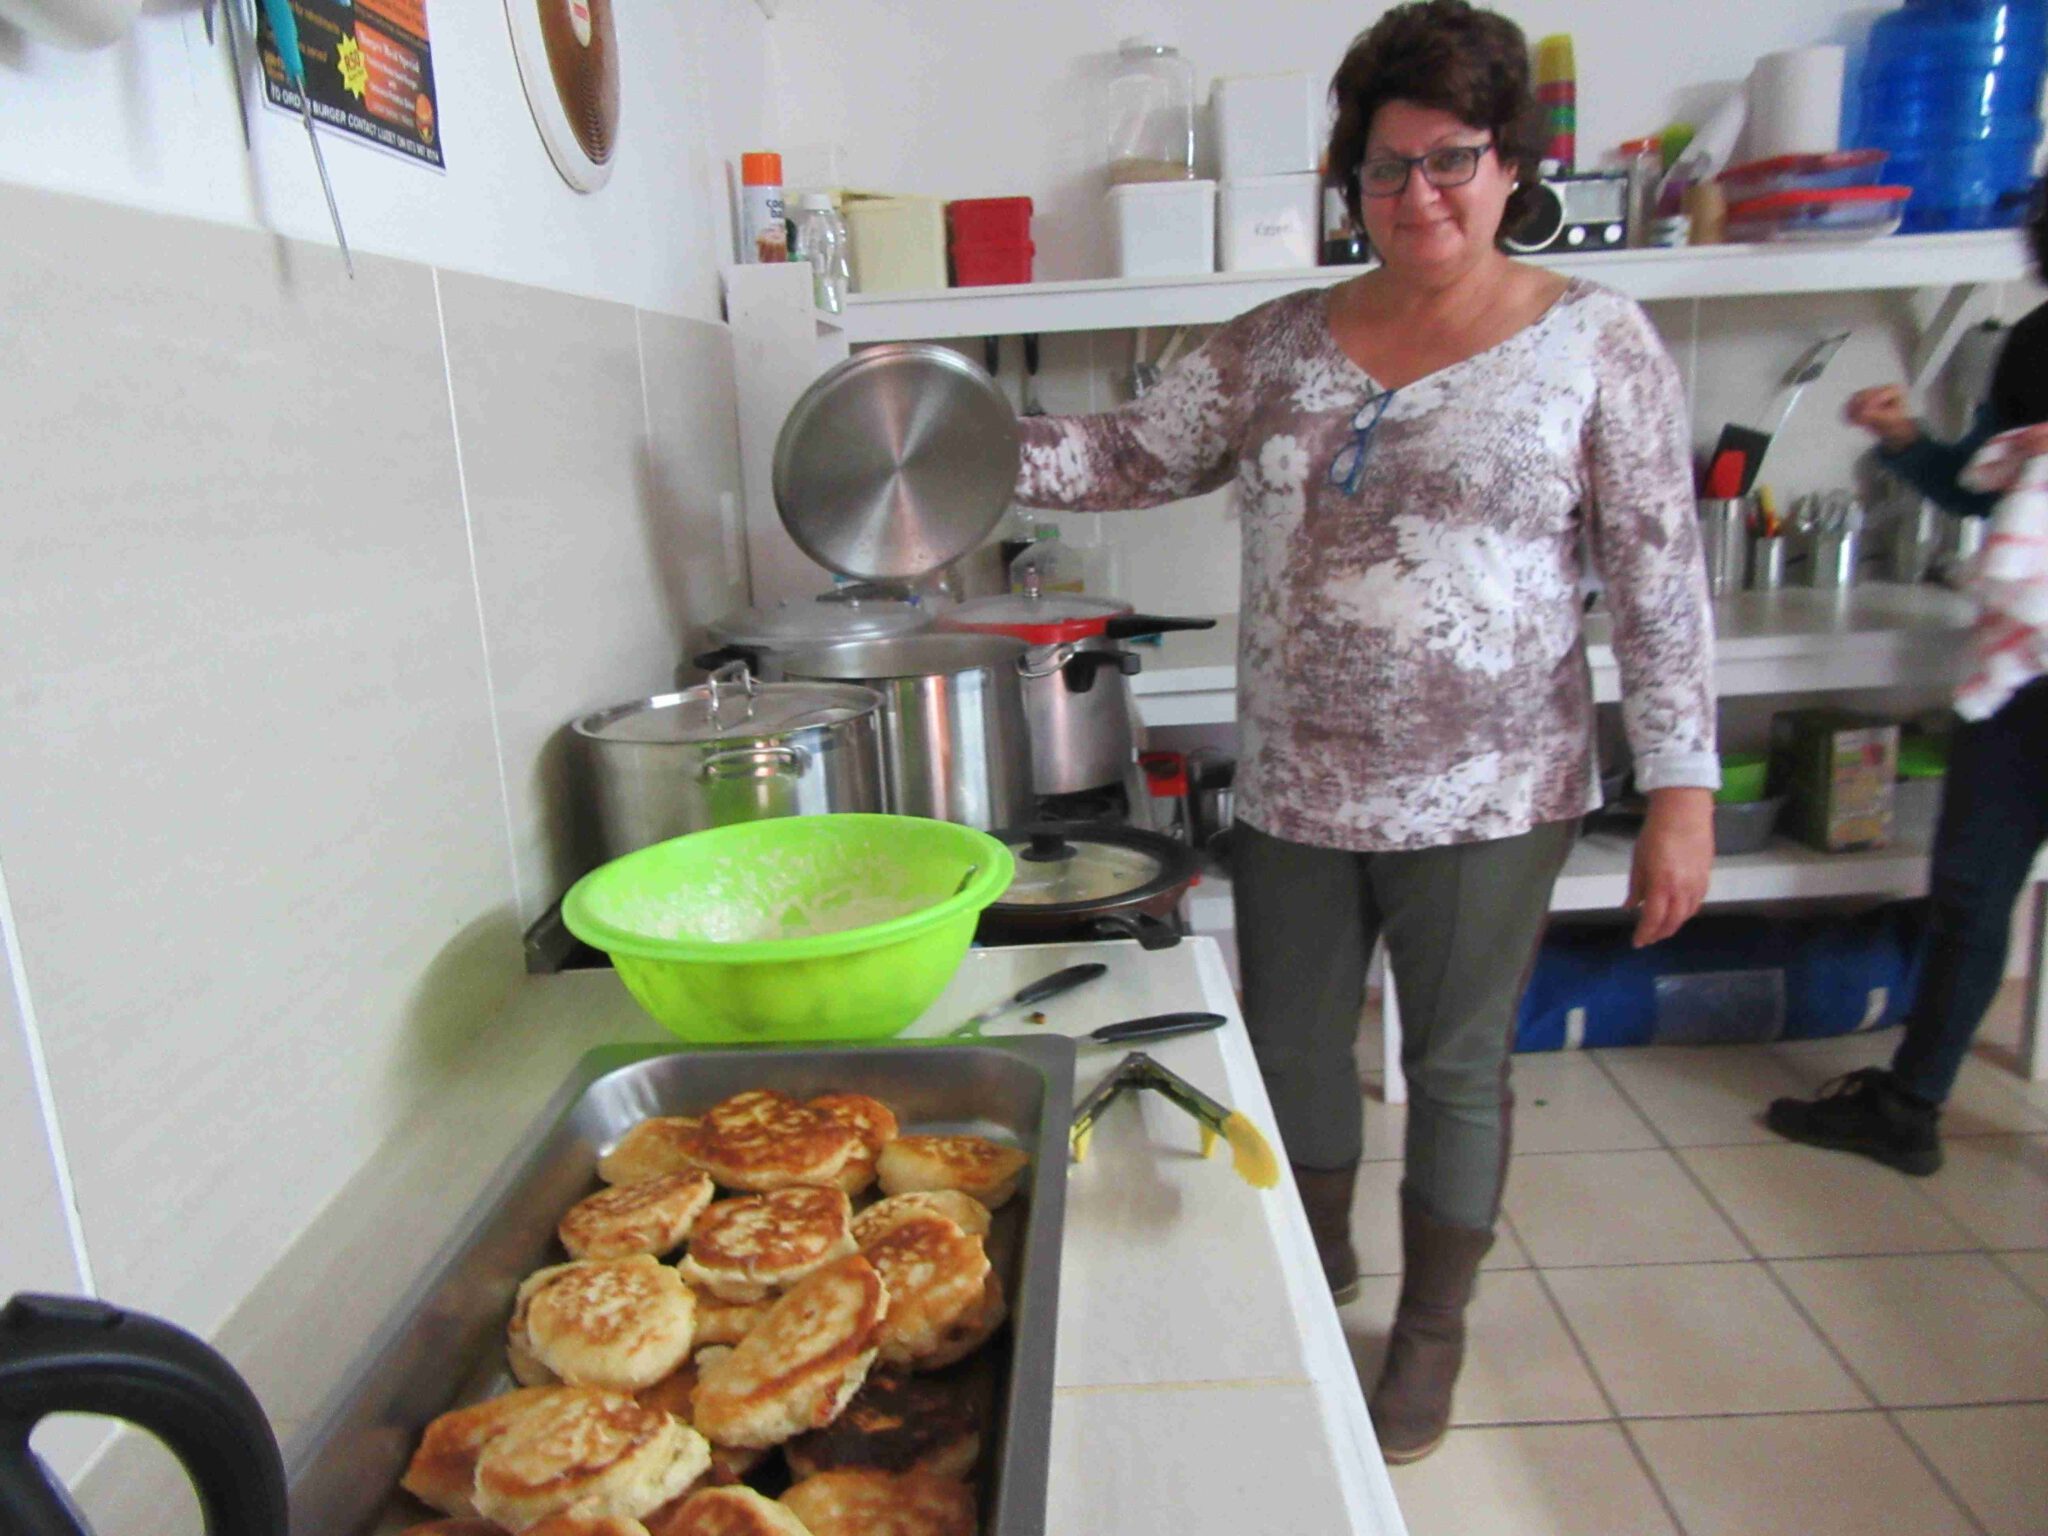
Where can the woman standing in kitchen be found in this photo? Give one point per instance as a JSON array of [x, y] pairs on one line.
[[1420, 454]]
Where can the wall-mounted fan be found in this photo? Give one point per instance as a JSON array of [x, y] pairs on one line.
[[568, 52]]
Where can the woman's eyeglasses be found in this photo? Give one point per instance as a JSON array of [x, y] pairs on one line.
[[1347, 469], [1451, 166]]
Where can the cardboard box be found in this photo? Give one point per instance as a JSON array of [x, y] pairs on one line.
[[1839, 768]]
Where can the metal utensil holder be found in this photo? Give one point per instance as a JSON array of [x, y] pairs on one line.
[[1724, 539], [1832, 564]]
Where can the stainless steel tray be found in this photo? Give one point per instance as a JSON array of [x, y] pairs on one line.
[[444, 1344]]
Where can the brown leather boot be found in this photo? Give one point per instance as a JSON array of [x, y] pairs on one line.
[[1411, 1406], [1326, 1196]]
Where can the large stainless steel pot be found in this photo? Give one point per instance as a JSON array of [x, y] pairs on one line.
[[731, 750], [859, 611], [955, 745]]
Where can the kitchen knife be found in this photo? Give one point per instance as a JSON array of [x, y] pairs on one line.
[[1043, 990], [1158, 1027]]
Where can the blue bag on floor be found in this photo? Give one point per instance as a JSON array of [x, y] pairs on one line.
[[1724, 979]]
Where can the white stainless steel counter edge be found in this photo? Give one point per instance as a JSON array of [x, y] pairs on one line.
[[1795, 640], [1204, 1382]]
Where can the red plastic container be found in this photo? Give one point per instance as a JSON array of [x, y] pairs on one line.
[[990, 221], [979, 266]]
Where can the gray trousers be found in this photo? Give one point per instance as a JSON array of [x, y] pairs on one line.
[[1461, 923]]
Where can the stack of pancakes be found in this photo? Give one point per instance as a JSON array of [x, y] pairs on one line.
[[656, 1388]]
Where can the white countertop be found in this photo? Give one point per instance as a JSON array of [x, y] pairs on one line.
[[1792, 640], [1203, 1380]]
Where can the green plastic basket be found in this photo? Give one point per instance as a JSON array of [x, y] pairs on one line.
[[841, 927]]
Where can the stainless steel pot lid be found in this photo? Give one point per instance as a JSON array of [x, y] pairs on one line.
[[1058, 867], [830, 617], [729, 708], [936, 655], [896, 462]]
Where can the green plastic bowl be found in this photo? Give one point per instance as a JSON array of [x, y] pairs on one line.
[[1744, 776], [841, 927]]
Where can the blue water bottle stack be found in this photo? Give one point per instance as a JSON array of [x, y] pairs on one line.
[[1952, 88]]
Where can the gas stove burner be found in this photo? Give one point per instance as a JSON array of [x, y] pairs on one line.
[[1107, 805]]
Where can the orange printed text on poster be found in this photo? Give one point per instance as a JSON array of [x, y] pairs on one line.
[[407, 15], [393, 76]]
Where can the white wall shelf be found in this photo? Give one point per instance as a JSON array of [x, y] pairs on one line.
[[1793, 641], [1955, 262]]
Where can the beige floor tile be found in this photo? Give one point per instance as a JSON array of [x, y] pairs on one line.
[[1678, 1339], [1993, 1458], [1614, 1208], [2001, 1026], [1798, 1202], [2031, 1269], [1520, 1366], [1831, 1474], [1930, 1329], [1867, 1048], [1703, 1096], [1538, 1480], [1376, 1225], [1996, 1187]]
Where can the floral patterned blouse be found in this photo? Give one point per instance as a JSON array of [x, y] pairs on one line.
[[1411, 667]]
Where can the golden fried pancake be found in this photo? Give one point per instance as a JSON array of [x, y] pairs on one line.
[[587, 1525], [649, 1150], [764, 1140], [526, 1370], [964, 1211], [671, 1394], [442, 1473], [797, 1369], [725, 1512], [973, 1329], [652, 1216], [618, 1323], [897, 1423], [468, 1526], [859, 1501], [587, 1450], [726, 1322], [742, 1249], [937, 1277], [973, 1165], [871, 1120]]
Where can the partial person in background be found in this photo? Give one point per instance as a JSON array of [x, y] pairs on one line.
[[1994, 809], [1416, 454]]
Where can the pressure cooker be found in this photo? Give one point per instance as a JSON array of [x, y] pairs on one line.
[[1077, 702]]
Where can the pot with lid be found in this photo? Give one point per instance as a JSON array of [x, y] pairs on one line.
[[1080, 880], [954, 743], [1076, 697], [731, 750], [858, 611]]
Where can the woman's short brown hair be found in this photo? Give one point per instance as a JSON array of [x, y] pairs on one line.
[[1444, 54]]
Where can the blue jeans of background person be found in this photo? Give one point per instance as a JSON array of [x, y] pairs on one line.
[[1994, 818]]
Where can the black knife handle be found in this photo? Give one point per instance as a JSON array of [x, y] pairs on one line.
[[1157, 1026], [1049, 987]]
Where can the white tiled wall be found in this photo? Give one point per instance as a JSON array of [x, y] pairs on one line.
[[261, 800]]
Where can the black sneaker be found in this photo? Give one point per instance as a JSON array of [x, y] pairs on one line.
[[1865, 1112]]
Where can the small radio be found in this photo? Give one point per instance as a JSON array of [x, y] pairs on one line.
[[1568, 214]]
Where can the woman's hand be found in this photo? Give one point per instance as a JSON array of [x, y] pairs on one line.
[[1674, 856], [1882, 412]]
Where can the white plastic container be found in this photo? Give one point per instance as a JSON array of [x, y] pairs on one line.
[[1269, 223], [1266, 125], [898, 243], [1164, 228]]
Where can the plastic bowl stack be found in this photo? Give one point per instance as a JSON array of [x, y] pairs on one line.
[[1744, 816]]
